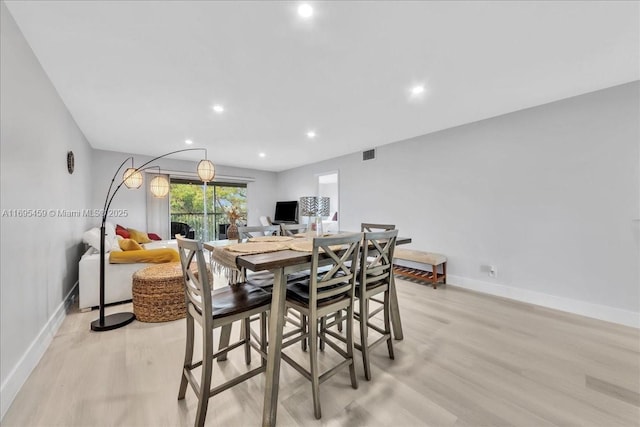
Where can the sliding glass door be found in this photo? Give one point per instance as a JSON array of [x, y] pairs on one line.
[[205, 213]]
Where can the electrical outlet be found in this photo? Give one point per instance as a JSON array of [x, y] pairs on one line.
[[493, 271]]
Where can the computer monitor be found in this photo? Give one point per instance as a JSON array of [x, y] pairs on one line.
[[286, 212]]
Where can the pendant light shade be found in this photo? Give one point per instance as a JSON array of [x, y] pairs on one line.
[[206, 170], [132, 178], [159, 186]]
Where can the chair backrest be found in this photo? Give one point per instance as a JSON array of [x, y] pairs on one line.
[[289, 229], [265, 220], [369, 227], [376, 262], [197, 286], [247, 232], [340, 276]]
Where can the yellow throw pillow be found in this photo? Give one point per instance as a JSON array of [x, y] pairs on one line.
[[139, 236], [129, 245]]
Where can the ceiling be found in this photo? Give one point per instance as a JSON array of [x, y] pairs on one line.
[[142, 77]]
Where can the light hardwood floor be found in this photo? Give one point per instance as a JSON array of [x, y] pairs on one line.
[[467, 359]]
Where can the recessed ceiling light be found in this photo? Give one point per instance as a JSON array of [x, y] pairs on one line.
[[417, 90], [218, 108], [188, 141], [305, 11], [262, 155], [311, 134]]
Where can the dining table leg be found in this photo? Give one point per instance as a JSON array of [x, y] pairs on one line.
[[276, 325], [396, 323]]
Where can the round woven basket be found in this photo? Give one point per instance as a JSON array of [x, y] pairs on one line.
[[158, 293]]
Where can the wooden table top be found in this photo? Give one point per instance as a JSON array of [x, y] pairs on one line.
[[286, 258]]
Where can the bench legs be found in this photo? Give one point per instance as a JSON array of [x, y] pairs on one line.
[[432, 277]]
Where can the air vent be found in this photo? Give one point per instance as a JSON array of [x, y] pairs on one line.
[[369, 154]]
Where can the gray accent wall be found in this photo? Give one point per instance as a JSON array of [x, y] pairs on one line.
[[39, 255], [549, 195]]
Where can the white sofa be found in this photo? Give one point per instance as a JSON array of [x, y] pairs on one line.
[[117, 276]]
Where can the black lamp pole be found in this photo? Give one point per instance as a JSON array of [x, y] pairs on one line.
[[117, 320]]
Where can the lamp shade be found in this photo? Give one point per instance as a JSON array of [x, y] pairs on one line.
[[314, 206], [159, 186], [308, 205], [323, 206], [206, 170], [132, 178]]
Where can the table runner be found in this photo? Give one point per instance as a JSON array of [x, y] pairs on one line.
[[307, 246], [223, 259], [224, 263], [271, 239]]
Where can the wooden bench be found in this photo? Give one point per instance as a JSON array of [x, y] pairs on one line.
[[422, 258]]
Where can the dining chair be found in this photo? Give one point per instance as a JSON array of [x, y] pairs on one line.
[[247, 232], [216, 308], [263, 279], [265, 220], [323, 293], [369, 227], [293, 229], [374, 278]]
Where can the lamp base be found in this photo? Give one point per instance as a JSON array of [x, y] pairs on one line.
[[319, 230], [112, 321]]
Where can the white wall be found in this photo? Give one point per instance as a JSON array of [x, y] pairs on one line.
[[547, 194], [261, 191], [39, 256]]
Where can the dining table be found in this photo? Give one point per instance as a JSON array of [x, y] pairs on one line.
[[283, 263]]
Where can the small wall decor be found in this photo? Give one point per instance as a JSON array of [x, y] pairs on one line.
[[70, 161]]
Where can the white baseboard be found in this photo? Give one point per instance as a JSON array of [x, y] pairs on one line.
[[29, 360], [583, 308]]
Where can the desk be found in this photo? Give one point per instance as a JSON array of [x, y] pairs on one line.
[[282, 263]]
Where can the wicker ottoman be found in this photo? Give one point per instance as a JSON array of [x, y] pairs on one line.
[[158, 293]]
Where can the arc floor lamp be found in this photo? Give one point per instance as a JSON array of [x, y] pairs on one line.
[[132, 178]]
